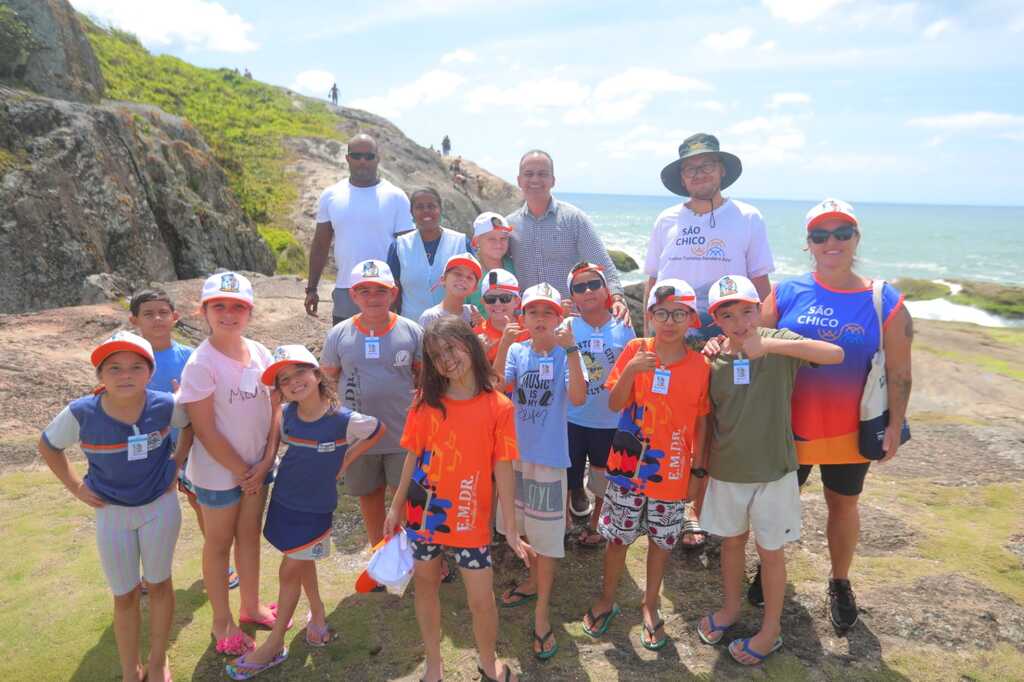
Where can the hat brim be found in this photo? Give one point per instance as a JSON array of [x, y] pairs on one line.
[[221, 296], [845, 217], [105, 350], [269, 375], [544, 301], [473, 267], [365, 584], [376, 282], [722, 301], [671, 175]]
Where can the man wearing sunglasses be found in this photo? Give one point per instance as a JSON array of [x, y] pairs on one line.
[[362, 214], [708, 236]]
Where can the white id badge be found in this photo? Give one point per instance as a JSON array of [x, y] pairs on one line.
[[547, 368], [661, 381], [250, 381], [372, 347], [741, 371], [596, 344], [138, 447]]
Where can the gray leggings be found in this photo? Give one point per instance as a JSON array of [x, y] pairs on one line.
[[126, 535]]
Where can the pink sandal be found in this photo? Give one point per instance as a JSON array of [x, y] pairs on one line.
[[237, 644]]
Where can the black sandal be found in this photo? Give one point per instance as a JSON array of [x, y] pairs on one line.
[[484, 677]]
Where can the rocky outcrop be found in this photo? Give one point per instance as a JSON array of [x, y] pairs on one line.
[[61, 63], [116, 188]]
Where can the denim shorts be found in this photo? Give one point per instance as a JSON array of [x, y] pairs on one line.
[[218, 499]]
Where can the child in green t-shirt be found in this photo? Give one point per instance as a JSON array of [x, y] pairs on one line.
[[752, 463]]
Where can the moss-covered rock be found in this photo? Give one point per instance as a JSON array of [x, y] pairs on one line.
[[998, 299], [623, 261], [921, 289]]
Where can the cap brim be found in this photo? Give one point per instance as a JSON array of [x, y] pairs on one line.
[[364, 583], [385, 285], [108, 349], [221, 296], [270, 373], [845, 217], [671, 175], [722, 301], [466, 264], [547, 302]]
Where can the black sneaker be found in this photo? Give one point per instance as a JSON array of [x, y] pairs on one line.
[[755, 595], [842, 605]]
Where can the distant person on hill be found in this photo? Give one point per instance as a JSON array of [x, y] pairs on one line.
[[248, 73], [362, 214], [417, 259], [708, 236], [446, 145], [836, 304], [551, 236], [333, 94]]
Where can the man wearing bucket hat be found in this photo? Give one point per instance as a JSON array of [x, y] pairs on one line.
[[708, 236]]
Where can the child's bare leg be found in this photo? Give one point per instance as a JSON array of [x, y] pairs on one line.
[[733, 563], [372, 508], [657, 559], [127, 622], [247, 555], [161, 617], [311, 586], [614, 565], [427, 578], [480, 596], [543, 570], [290, 577], [773, 582], [219, 536], [194, 503]]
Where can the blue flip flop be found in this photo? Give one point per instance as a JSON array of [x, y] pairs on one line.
[[720, 629], [745, 648], [605, 619], [241, 670]]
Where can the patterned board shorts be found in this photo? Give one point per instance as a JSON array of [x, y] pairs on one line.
[[471, 558], [626, 515]]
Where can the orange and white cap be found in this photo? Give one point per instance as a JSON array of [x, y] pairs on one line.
[[732, 288], [292, 354], [830, 208], [674, 291], [123, 341], [543, 293], [499, 280], [489, 222], [227, 285], [466, 260], [372, 272]]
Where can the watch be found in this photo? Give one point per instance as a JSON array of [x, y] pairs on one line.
[[572, 349], [699, 472]]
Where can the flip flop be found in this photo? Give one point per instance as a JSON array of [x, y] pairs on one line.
[[692, 527], [584, 541], [545, 654], [484, 677], [240, 670], [324, 635], [745, 648], [605, 619], [713, 628], [521, 598], [652, 632], [237, 644], [233, 579]]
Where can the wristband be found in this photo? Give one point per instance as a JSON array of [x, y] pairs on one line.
[[572, 349]]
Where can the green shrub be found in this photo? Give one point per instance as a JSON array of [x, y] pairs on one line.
[[292, 260], [920, 289], [277, 239]]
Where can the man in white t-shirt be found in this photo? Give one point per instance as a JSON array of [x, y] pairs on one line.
[[707, 237], [363, 214]]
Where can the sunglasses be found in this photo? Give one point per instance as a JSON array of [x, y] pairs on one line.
[[592, 285], [843, 234], [491, 299], [360, 156]]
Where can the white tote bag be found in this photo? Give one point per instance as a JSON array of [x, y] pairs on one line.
[[874, 401]]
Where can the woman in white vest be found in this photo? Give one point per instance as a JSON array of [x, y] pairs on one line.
[[417, 258]]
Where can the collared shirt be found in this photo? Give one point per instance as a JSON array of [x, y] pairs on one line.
[[545, 249]]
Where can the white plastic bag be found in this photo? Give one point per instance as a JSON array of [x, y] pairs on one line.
[[391, 565]]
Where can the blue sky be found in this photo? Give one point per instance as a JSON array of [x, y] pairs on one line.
[[910, 102]]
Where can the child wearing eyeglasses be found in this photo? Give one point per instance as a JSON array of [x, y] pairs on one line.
[[499, 293], [601, 338], [656, 462]]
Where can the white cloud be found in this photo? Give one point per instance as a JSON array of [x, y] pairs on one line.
[[937, 28], [645, 80], [195, 24], [461, 55], [313, 82], [801, 11], [712, 105], [977, 120], [767, 45], [645, 140], [780, 99], [536, 122], [876, 15], [534, 95], [764, 140], [432, 86], [1017, 136], [751, 125], [729, 40]]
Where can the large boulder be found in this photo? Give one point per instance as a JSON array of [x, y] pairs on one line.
[[60, 62], [117, 188]]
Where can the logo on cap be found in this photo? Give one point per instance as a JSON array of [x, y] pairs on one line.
[[280, 353], [229, 283], [370, 269], [546, 290], [727, 287]]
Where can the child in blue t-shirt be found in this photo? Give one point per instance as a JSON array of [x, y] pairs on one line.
[[545, 375], [124, 431], [323, 439]]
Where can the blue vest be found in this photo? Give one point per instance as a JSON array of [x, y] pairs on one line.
[[420, 281]]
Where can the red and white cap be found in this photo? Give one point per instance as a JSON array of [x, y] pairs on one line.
[[372, 272], [123, 341], [499, 280], [227, 285], [830, 208], [582, 267], [732, 288], [674, 291], [489, 222], [543, 293], [466, 260], [292, 354]]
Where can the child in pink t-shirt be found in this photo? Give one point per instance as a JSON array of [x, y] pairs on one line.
[[230, 466]]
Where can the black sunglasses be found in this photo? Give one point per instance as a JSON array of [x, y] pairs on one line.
[[592, 285], [843, 234], [498, 298], [359, 156]]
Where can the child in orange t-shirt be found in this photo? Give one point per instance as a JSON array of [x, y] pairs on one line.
[[459, 432], [499, 293], [662, 389]]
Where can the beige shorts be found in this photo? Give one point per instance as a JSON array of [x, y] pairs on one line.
[[771, 510], [370, 472], [540, 507]]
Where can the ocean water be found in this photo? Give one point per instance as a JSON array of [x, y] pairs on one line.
[[897, 240]]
